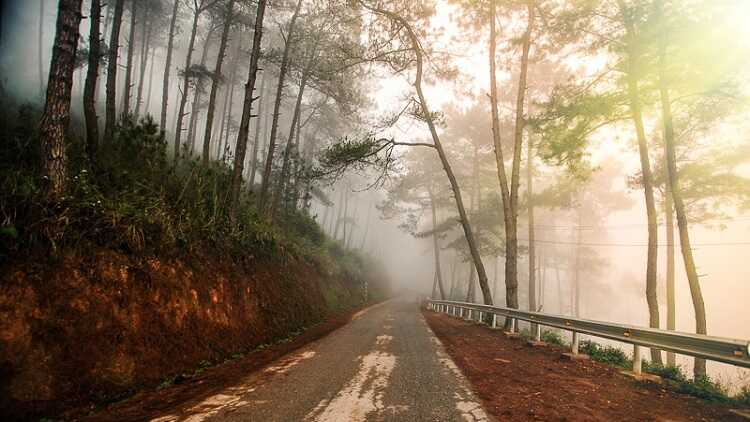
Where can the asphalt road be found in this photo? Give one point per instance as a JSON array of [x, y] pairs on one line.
[[385, 365]]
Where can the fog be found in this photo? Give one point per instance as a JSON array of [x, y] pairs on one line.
[[590, 215]]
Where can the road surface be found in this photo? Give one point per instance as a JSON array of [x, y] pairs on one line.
[[386, 365]]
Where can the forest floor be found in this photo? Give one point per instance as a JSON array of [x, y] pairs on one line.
[[518, 382]]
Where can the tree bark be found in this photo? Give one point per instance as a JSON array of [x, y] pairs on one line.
[[185, 85], [344, 222], [56, 115], [646, 179], [147, 106], [510, 196], [40, 49], [229, 103], [278, 191], [669, 220], [241, 147], [468, 232], [197, 94], [436, 245], [215, 81], [533, 307], [337, 224], [168, 66], [257, 139], [367, 229], [145, 41], [265, 183], [92, 74], [575, 291], [129, 65], [699, 369], [111, 109]]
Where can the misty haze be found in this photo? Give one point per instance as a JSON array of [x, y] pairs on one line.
[[367, 210]]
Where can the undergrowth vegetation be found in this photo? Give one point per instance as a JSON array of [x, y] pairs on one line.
[[136, 200], [673, 376]]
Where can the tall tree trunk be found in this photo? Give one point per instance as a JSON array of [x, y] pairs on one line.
[[575, 291], [247, 105], [337, 222], [257, 139], [198, 93], [145, 41], [699, 369], [515, 181], [56, 115], [436, 245], [229, 102], [114, 45], [185, 86], [278, 192], [215, 81], [168, 66], [92, 74], [352, 226], [533, 307], [147, 107], [129, 65], [454, 268], [344, 221], [428, 117], [40, 48], [474, 205], [103, 35], [646, 179], [265, 183], [669, 214], [494, 278], [510, 196]]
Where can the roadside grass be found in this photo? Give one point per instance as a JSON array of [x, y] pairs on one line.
[[673, 376]]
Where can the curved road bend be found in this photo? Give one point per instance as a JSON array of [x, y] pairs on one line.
[[385, 365]]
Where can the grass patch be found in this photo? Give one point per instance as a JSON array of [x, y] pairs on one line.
[[673, 376], [605, 354], [553, 337]]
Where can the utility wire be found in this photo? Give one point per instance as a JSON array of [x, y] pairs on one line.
[[591, 227], [555, 242]]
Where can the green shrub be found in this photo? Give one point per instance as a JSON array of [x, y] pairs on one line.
[[703, 387], [743, 397], [553, 337], [606, 354], [673, 373]]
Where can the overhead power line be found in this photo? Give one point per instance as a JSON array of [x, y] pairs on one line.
[[556, 242]]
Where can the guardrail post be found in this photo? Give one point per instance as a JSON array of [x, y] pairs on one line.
[[471, 314], [574, 344], [494, 320], [481, 319], [637, 359], [538, 332], [514, 326]]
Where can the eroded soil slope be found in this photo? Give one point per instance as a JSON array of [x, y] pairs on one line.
[[92, 329]]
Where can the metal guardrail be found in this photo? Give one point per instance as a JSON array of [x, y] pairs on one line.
[[731, 351]]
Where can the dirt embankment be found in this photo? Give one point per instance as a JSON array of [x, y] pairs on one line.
[[92, 329], [517, 382]]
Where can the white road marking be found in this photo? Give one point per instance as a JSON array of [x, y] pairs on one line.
[[363, 394]]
